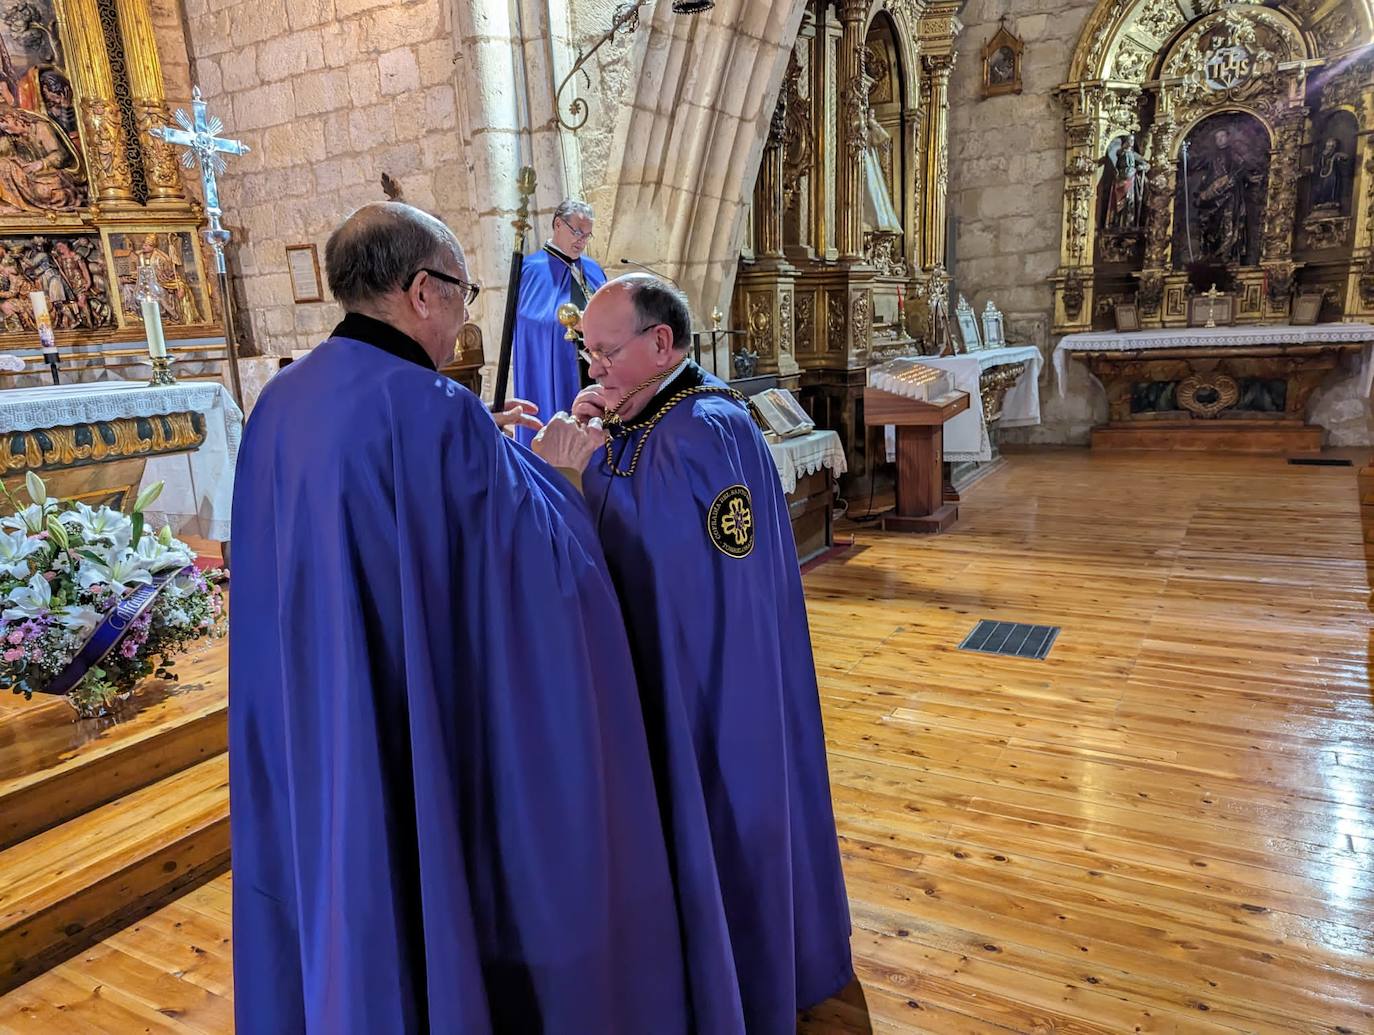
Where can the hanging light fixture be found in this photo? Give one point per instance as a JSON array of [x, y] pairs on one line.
[[625, 20]]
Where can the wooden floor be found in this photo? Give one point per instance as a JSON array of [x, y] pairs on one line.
[[1165, 827]]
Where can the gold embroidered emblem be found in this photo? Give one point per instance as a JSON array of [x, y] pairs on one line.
[[730, 522]]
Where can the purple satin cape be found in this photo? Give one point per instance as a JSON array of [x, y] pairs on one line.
[[443, 811], [723, 653]]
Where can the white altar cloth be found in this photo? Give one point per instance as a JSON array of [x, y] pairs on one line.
[[199, 490], [806, 454], [966, 435], [1218, 337]]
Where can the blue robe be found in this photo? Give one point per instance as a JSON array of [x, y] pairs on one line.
[[544, 364], [443, 811], [723, 653]]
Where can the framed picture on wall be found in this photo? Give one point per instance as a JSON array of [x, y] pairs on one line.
[[1002, 62], [1127, 317], [968, 326], [1307, 309], [304, 266]]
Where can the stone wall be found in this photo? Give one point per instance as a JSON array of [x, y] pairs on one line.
[[329, 94], [1006, 190]]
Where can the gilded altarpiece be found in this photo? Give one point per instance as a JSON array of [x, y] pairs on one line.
[[848, 223], [86, 194], [1209, 139]]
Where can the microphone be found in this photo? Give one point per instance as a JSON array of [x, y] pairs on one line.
[[650, 269]]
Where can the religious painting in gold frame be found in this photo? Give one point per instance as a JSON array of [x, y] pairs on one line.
[[1212, 310], [70, 269], [180, 266], [1002, 62]]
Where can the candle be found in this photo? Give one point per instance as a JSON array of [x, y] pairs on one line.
[[43, 319], [152, 324]]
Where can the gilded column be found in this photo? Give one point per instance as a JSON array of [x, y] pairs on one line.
[[935, 152], [160, 168], [102, 128], [768, 193], [849, 198]]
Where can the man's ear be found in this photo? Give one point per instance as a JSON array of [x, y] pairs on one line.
[[420, 295]]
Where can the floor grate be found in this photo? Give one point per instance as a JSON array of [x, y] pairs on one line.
[[1011, 639], [1320, 461]]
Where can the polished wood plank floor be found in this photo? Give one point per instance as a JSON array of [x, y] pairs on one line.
[[1165, 827]]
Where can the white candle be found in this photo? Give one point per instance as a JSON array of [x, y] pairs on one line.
[[43, 321], [39, 301], [152, 324]]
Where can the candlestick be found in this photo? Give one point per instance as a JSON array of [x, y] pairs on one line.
[[42, 318]]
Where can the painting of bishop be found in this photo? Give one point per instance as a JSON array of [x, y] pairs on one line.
[[173, 256], [40, 157]]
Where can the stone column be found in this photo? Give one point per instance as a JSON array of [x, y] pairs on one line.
[[849, 197], [160, 166], [89, 64], [936, 68]]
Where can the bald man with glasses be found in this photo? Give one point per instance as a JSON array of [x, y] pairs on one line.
[[544, 364]]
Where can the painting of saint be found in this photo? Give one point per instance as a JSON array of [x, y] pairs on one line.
[[173, 256]]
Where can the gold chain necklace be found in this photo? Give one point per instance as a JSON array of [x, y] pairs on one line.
[[613, 419]]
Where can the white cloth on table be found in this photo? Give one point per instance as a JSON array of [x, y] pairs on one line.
[[798, 457], [1219, 338], [966, 435], [199, 490]]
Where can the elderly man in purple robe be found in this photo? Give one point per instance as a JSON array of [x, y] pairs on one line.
[[544, 363], [444, 811], [694, 523]]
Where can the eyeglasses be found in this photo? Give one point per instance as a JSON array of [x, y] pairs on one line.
[[470, 291], [604, 358], [578, 235]]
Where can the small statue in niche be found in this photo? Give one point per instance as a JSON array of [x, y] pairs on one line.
[[879, 212], [1329, 178], [1127, 202], [1223, 202]]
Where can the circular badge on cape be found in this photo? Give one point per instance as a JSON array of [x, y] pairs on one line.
[[730, 522]]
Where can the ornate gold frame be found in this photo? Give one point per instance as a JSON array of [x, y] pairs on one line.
[[1003, 38]]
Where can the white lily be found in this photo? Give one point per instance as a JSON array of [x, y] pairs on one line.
[[100, 523], [15, 549], [157, 557], [32, 518], [120, 568], [80, 619], [28, 599]]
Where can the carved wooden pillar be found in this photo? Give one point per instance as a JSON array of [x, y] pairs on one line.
[[768, 195], [935, 149], [849, 198], [824, 91], [102, 128], [160, 166], [1284, 173], [911, 210]]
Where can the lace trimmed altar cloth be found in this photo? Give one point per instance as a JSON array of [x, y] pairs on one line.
[[1219, 338], [199, 487], [966, 435], [798, 457]]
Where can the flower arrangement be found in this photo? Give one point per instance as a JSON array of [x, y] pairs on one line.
[[92, 602]]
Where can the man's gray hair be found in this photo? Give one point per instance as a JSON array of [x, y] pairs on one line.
[[380, 246], [658, 301], [572, 207]]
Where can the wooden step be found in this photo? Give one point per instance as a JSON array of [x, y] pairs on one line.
[[54, 768], [62, 889]]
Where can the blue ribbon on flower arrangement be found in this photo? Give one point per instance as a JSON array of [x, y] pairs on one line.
[[110, 631]]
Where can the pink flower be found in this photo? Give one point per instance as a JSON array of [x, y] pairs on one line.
[[36, 654], [16, 637], [50, 575], [13, 654], [129, 649]]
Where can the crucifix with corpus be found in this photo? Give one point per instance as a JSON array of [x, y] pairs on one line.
[[199, 135]]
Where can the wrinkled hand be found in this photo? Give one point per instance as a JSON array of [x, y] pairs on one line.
[[567, 444], [590, 403], [519, 413]]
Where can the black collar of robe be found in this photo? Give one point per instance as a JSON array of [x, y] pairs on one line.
[[383, 336], [559, 253], [691, 376]]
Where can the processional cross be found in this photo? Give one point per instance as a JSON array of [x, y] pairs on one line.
[[199, 135]]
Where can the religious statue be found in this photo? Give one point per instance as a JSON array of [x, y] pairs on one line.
[[1223, 202], [181, 300], [879, 212], [38, 165], [79, 280], [1329, 178], [1127, 203]]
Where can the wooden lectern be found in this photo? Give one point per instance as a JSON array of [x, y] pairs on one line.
[[921, 506]]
